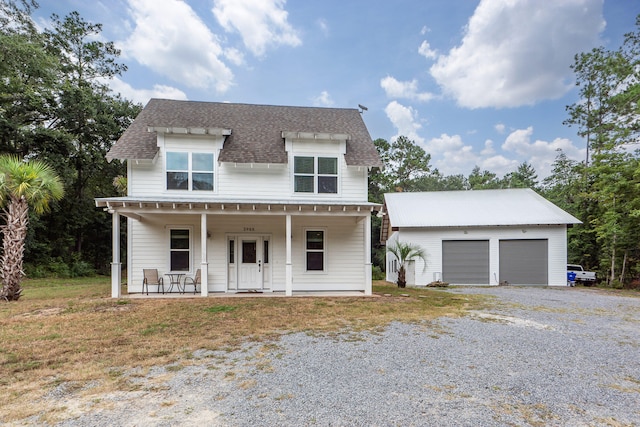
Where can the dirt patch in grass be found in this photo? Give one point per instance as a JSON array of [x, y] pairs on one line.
[[74, 334]]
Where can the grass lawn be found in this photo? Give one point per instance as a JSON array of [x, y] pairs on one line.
[[71, 331]]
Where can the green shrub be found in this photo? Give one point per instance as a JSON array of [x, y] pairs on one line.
[[57, 268], [82, 269], [35, 271], [377, 273]]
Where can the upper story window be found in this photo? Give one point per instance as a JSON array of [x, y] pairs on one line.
[[315, 174], [189, 171]]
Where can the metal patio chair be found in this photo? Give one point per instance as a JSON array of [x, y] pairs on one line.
[[195, 281], [151, 277]]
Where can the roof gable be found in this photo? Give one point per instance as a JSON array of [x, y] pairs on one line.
[[256, 130], [517, 206]]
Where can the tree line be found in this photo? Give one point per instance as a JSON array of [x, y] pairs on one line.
[[56, 107]]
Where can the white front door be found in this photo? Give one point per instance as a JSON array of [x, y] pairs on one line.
[[250, 262]]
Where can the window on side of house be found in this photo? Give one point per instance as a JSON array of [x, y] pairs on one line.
[[315, 250], [180, 249], [189, 171], [315, 174]]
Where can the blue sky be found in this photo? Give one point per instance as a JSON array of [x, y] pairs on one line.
[[474, 82]]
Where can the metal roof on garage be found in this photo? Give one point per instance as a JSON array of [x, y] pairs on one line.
[[508, 207]]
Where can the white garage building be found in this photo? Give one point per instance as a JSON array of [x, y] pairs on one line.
[[480, 237]]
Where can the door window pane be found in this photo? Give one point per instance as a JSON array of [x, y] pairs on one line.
[[249, 252], [232, 251], [265, 252]]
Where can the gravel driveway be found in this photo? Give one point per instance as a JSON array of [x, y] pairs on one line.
[[540, 356]]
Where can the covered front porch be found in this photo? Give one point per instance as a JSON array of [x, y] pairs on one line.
[[241, 246]]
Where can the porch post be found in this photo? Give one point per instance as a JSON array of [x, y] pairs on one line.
[[116, 268], [289, 269], [367, 255], [204, 263]]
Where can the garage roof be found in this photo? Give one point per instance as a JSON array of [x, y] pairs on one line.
[[517, 206]]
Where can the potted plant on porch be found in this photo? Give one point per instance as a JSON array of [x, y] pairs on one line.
[[405, 252]]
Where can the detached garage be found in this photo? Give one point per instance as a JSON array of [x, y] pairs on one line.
[[480, 237]]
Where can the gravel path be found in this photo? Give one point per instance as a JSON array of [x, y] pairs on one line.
[[541, 356]]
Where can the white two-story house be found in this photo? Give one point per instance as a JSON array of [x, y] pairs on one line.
[[258, 197]]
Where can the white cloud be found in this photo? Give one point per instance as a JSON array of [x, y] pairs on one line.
[[170, 39], [500, 128], [323, 100], [143, 96], [405, 120], [426, 51], [499, 164], [517, 53], [324, 26], [450, 155], [488, 149], [234, 56], [408, 90], [260, 23], [425, 30], [540, 154]]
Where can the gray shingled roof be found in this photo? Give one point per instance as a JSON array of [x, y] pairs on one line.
[[256, 130]]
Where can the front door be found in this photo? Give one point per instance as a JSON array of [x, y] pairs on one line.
[[251, 262]]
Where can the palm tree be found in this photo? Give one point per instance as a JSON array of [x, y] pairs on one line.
[[22, 184], [405, 252]]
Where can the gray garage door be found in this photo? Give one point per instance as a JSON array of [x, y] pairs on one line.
[[465, 261], [524, 262]]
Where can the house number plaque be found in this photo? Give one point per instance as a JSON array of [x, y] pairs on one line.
[[249, 229]]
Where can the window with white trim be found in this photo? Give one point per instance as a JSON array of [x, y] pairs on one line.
[[315, 174], [180, 249], [315, 250], [189, 171]]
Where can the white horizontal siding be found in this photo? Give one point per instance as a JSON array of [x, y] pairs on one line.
[[146, 180], [246, 180], [355, 183], [431, 241], [344, 255], [259, 182], [149, 245]]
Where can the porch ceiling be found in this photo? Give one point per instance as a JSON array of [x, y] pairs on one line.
[[136, 206]]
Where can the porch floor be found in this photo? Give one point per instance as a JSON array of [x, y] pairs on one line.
[[278, 294]]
